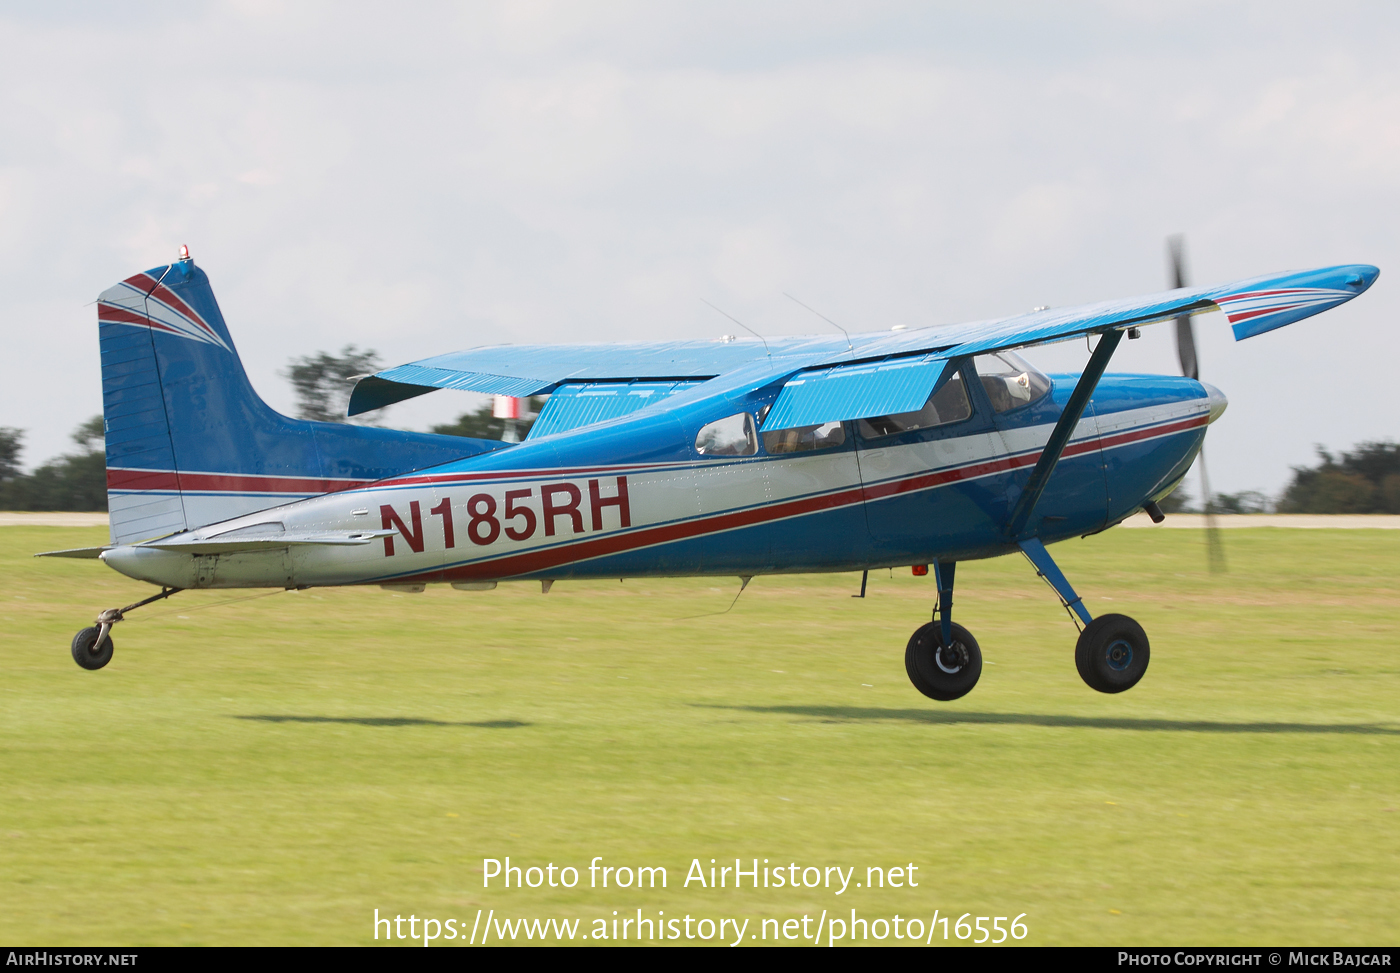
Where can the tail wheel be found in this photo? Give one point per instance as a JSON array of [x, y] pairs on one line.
[[1112, 653], [943, 672], [87, 653]]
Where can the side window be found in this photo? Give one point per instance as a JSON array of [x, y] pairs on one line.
[[730, 436], [948, 404], [804, 438], [1010, 380]]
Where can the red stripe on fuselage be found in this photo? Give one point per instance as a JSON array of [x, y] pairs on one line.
[[142, 480], [529, 562], [121, 479]]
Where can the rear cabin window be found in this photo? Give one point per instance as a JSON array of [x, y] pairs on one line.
[[1010, 380], [804, 438], [948, 404], [731, 436]]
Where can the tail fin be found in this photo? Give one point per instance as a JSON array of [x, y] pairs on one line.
[[190, 443]]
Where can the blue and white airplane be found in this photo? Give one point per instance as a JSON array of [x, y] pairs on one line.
[[738, 457]]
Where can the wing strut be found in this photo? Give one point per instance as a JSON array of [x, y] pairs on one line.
[[1059, 436]]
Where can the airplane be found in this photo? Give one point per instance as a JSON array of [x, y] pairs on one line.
[[742, 456]]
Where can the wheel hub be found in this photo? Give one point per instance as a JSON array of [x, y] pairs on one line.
[[1120, 654], [950, 659]]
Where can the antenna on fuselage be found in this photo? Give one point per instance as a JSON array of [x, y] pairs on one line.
[[742, 325], [828, 320]]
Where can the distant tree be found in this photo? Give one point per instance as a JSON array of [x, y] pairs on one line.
[[1363, 481], [1178, 501], [1244, 502], [322, 382], [11, 444], [480, 424], [76, 481], [91, 435]]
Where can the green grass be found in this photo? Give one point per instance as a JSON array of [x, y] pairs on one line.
[[273, 771]]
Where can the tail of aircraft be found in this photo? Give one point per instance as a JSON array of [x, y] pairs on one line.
[[190, 443]]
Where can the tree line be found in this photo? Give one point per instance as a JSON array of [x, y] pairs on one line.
[[75, 481], [322, 383], [1364, 480]]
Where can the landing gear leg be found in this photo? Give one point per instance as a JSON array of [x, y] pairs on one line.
[[1112, 652], [92, 647], [943, 659]]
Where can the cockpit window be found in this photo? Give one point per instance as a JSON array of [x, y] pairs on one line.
[[948, 404], [803, 438], [1010, 380], [731, 436]]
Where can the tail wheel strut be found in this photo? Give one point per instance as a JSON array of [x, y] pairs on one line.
[[92, 647]]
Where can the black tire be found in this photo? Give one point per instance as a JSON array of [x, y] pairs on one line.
[[86, 651], [938, 673], [1112, 653]]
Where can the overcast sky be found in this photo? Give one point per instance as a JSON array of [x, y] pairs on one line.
[[419, 178]]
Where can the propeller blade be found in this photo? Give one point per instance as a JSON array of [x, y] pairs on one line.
[[1190, 367], [1186, 347], [1176, 250], [1185, 334], [1215, 547]]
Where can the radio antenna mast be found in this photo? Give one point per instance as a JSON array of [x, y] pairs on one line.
[[742, 325], [824, 318]]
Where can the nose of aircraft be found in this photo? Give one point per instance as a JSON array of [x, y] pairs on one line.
[[1217, 401]]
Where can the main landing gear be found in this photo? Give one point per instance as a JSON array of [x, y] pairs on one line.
[[92, 647], [1112, 653], [944, 661]]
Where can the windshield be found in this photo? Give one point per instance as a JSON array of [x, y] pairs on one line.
[[1010, 380], [731, 436]]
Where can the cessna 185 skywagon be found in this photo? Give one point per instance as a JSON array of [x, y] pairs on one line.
[[739, 457]]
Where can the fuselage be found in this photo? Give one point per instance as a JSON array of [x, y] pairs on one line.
[[635, 497]]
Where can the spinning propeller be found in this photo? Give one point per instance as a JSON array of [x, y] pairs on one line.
[[1190, 367]]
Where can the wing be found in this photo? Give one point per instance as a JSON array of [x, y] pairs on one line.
[[858, 375], [524, 370]]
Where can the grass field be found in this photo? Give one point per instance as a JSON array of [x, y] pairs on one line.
[[274, 771]]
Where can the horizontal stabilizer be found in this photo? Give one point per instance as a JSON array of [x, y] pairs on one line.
[[265, 542], [855, 392], [91, 553]]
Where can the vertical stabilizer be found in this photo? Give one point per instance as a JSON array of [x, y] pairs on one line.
[[190, 443]]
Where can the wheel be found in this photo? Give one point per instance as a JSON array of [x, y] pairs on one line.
[[940, 672], [1112, 653], [86, 652]]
